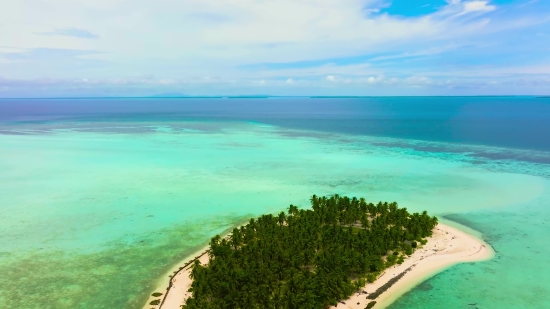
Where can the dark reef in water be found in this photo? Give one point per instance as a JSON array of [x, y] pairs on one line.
[[388, 284]]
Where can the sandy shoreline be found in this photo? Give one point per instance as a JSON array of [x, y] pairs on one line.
[[178, 282], [447, 246]]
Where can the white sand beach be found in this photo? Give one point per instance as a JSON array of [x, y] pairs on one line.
[[446, 247], [177, 294]]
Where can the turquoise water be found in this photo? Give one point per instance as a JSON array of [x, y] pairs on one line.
[[94, 213], [516, 278]]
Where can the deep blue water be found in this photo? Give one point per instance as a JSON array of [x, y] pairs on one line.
[[513, 122]]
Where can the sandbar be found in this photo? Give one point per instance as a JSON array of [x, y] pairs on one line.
[[447, 246]]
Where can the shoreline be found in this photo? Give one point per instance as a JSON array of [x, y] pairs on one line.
[[172, 290], [447, 246]]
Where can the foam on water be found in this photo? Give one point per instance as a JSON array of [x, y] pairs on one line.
[[94, 213]]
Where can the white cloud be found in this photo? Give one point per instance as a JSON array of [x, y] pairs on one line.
[[486, 71], [213, 34], [411, 85], [418, 80], [210, 42], [8, 50], [167, 81], [458, 8], [478, 6], [371, 80], [316, 71]]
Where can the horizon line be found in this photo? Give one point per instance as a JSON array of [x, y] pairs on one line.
[[266, 97]]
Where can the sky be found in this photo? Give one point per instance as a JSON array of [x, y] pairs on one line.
[[278, 47]]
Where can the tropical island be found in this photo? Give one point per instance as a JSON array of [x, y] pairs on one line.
[[313, 258]]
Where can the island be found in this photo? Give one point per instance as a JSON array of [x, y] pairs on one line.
[[341, 253]]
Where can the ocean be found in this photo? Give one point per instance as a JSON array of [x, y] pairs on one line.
[[100, 197]]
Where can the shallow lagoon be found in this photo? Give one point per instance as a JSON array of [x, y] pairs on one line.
[[94, 213]]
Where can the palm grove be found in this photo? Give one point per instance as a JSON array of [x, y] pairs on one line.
[[306, 258]]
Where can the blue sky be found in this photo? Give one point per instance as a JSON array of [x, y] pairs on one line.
[[283, 47]]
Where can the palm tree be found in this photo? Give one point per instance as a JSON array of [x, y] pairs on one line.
[[281, 218], [306, 259], [292, 210]]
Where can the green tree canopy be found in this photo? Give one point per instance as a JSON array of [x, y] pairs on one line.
[[306, 258]]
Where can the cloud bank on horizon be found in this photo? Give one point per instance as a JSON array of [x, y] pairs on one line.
[[283, 47]]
